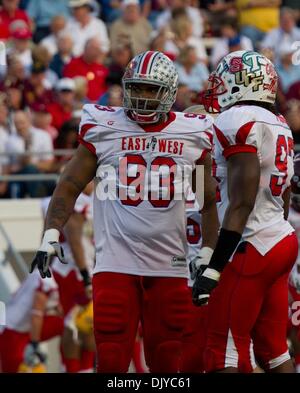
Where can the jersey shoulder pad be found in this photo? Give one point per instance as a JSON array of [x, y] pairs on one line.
[[100, 115], [193, 121]]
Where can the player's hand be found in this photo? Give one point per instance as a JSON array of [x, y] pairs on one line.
[[87, 282], [204, 284], [50, 247], [33, 355], [199, 263]]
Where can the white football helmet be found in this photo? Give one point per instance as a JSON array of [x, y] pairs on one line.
[[241, 76], [155, 69]]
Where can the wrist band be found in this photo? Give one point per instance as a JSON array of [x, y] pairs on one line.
[[226, 244]]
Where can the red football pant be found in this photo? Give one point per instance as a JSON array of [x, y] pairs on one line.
[[121, 301], [194, 340], [71, 291], [13, 343], [251, 301]]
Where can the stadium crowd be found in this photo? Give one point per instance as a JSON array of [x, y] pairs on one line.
[[63, 54]]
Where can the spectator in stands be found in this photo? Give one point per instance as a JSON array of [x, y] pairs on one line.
[[90, 65], [29, 139], [183, 36], [191, 72], [288, 73], [64, 54], [42, 12], [293, 118], [36, 88], [4, 133], [284, 36], [80, 92], [112, 9], [10, 16], [131, 26], [62, 107], [181, 7], [218, 10], [42, 119], [84, 26], [184, 98], [159, 40], [229, 32], [257, 17], [113, 96], [67, 139], [58, 24], [20, 47], [121, 55], [15, 75], [41, 55]]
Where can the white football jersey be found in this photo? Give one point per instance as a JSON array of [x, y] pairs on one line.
[[139, 224], [83, 205], [193, 230], [255, 129], [18, 309]]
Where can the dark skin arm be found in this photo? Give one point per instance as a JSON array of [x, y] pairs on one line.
[[73, 231], [210, 221], [243, 174], [286, 202], [79, 171]]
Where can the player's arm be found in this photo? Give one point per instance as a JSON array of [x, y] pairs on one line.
[[32, 350], [243, 174], [286, 202], [210, 221], [73, 231], [79, 171], [209, 216]]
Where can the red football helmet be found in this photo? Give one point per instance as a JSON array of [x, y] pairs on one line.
[[295, 184]]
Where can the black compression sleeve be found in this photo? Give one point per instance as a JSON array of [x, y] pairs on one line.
[[226, 244]]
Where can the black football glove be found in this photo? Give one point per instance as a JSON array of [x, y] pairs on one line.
[[203, 285]]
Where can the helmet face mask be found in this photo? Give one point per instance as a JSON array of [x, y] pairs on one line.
[[150, 87], [241, 76]]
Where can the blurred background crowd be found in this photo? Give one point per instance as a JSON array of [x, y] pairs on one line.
[[61, 54]]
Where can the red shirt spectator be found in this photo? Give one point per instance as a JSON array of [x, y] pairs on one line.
[[9, 13], [89, 66], [62, 108]]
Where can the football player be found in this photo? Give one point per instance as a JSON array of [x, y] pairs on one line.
[[138, 155], [294, 279], [74, 282], [33, 315], [253, 150], [194, 336]]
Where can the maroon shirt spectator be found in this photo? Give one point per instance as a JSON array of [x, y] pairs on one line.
[[10, 14], [34, 87], [294, 92], [90, 66]]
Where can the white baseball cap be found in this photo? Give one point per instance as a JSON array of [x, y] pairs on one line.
[[125, 3], [79, 3], [65, 84]]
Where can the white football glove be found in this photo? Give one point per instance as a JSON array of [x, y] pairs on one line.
[[199, 263], [50, 247]]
